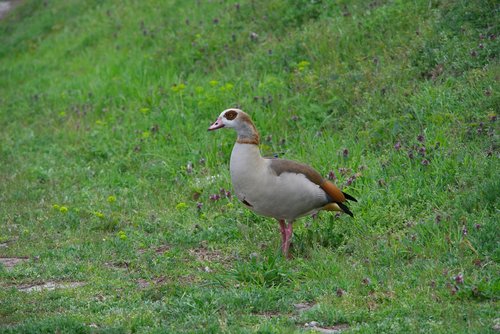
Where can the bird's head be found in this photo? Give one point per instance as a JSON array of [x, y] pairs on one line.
[[240, 121], [229, 118]]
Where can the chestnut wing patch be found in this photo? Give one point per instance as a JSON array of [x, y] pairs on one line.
[[280, 166]]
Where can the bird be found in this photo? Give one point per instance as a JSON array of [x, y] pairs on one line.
[[282, 189]]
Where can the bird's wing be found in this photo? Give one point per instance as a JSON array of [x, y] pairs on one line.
[[280, 166]]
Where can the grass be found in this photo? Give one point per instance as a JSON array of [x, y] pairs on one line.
[[108, 175]]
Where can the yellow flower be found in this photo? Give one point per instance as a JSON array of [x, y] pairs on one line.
[[303, 65], [145, 134], [122, 235], [55, 206], [144, 110], [63, 209], [111, 199], [99, 122], [227, 87], [99, 214], [178, 88], [62, 113], [213, 83], [181, 206]]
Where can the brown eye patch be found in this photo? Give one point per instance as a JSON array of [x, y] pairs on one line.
[[230, 115]]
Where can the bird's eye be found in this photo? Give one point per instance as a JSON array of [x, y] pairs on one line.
[[230, 115]]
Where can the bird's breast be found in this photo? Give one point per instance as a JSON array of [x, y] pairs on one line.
[[247, 171]]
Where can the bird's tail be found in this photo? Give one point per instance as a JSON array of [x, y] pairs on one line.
[[335, 206], [337, 198], [349, 197]]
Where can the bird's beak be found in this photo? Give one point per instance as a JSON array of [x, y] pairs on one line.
[[216, 125]]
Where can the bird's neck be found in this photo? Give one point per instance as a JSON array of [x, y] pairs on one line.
[[246, 157], [247, 133]]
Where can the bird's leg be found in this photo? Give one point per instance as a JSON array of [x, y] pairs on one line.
[[283, 232], [288, 240]]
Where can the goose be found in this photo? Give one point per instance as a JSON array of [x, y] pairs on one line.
[[277, 188]]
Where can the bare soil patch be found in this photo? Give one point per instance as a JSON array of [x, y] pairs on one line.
[[146, 283], [6, 6], [118, 265], [50, 285], [158, 250], [269, 314], [10, 262], [313, 325], [5, 244], [302, 307], [203, 254]]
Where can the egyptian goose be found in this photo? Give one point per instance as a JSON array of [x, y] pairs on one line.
[[278, 188]]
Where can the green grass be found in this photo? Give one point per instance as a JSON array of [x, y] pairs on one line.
[[104, 155]]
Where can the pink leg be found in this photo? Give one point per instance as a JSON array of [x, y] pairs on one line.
[[283, 231], [285, 247]]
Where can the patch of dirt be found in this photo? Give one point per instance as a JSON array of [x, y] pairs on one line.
[[189, 279], [48, 286], [203, 254], [10, 262], [313, 325], [158, 250], [269, 314], [184, 280], [6, 6], [118, 265], [210, 258], [302, 307], [145, 283], [496, 325], [5, 244]]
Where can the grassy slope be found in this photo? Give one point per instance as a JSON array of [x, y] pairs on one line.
[[113, 99]]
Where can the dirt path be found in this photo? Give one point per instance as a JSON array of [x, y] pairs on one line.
[[6, 6]]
